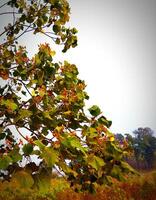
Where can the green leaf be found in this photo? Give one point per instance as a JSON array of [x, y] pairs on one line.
[[94, 110], [117, 173], [50, 156], [27, 149], [24, 113], [39, 144], [2, 136], [128, 168], [43, 182], [22, 18], [15, 155], [24, 179], [67, 113], [46, 114], [66, 169], [92, 132], [74, 30], [116, 152], [56, 28], [5, 161], [57, 41], [104, 121], [69, 75], [10, 104], [95, 162], [74, 142], [23, 92], [40, 77], [37, 60], [115, 148]]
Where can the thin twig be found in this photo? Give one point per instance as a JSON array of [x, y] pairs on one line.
[[25, 87], [7, 42], [22, 84], [17, 22], [21, 134], [13, 68], [13, 16], [4, 4], [48, 32], [22, 33], [49, 36], [30, 130], [10, 12], [59, 172], [3, 32], [24, 103]]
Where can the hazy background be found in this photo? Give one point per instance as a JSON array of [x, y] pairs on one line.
[[116, 57]]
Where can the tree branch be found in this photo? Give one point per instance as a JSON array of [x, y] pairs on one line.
[[10, 12], [21, 134]]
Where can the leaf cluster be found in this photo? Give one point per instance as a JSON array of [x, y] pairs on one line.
[[47, 17]]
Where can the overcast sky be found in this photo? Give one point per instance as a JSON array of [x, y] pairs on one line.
[[116, 57]]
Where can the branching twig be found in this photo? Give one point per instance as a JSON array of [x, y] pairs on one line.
[[22, 33], [49, 36]]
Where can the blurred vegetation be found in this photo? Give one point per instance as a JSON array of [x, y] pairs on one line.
[[137, 187], [143, 146], [43, 115]]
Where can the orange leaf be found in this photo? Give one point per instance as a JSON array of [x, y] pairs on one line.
[[4, 75]]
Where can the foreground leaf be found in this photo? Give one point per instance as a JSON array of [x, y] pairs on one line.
[[23, 178], [50, 156], [95, 162], [5, 161], [94, 110]]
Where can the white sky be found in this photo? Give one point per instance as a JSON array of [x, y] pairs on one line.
[[116, 57]]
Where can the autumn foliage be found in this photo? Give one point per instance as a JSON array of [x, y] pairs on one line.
[[43, 114]]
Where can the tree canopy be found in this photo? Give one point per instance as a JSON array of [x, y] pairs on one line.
[[42, 106], [144, 144]]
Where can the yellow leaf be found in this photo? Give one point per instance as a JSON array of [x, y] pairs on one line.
[[52, 53], [10, 104], [42, 91], [112, 138], [33, 92], [67, 112]]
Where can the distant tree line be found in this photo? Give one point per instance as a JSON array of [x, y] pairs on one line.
[[143, 147]]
